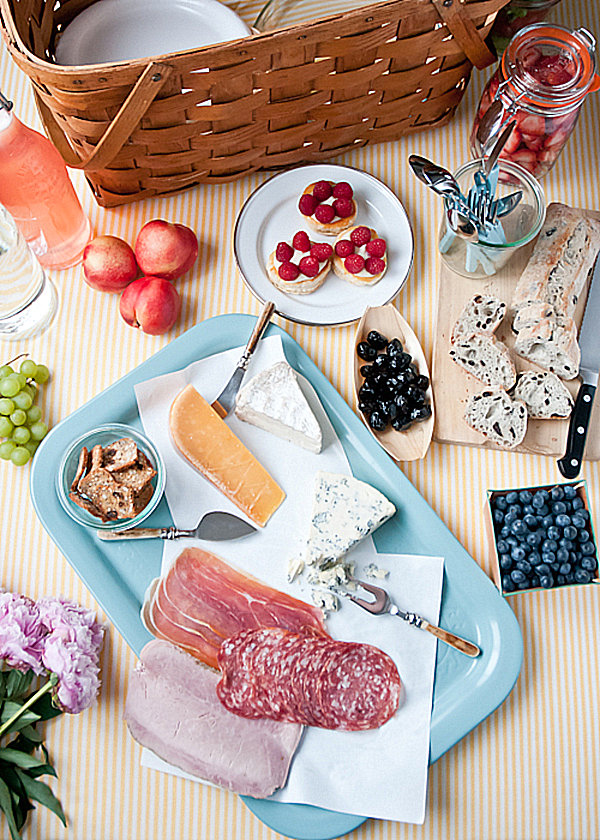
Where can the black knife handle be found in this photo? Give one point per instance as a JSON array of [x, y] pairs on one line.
[[570, 464]]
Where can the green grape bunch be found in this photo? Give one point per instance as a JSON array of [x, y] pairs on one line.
[[21, 424]]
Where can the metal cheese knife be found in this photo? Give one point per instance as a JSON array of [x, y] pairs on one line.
[[216, 526], [226, 399], [589, 343]]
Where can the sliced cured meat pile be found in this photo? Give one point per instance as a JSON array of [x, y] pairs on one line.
[[307, 678], [172, 709], [202, 601]]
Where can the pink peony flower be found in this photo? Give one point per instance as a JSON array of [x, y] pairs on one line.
[[71, 651], [21, 633]]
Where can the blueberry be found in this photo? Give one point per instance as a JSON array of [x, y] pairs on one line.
[[557, 494], [500, 502], [515, 508], [534, 538], [570, 491], [562, 520], [543, 569], [512, 496], [570, 532], [577, 504], [562, 555], [553, 533], [507, 584], [530, 520], [547, 581], [560, 580], [589, 563], [578, 521], [548, 557], [587, 548], [525, 496], [377, 340], [582, 576], [512, 541], [547, 520], [517, 576], [528, 509], [502, 547], [519, 528], [504, 531], [505, 561], [365, 351], [564, 568], [568, 544], [540, 497], [549, 546], [535, 558], [518, 554], [524, 567], [545, 511], [559, 507], [509, 517]]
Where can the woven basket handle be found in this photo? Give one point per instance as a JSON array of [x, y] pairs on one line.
[[118, 132], [456, 18]]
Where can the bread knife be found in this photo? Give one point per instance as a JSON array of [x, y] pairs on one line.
[[589, 343]]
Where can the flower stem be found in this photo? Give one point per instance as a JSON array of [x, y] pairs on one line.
[[39, 693]]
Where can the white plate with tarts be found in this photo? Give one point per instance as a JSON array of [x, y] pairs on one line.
[[271, 215]]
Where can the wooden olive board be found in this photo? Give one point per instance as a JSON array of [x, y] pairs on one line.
[[453, 385]]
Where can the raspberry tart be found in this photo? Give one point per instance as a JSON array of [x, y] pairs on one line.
[[328, 207], [360, 256], [299, 267]]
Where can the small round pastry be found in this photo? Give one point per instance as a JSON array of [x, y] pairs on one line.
[[328, 207], [360, 256], [301, 267]]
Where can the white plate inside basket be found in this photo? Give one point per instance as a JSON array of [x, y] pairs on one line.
[[271, 215], [120, 30]]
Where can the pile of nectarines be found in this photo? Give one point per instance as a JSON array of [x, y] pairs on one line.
[[163, 252]]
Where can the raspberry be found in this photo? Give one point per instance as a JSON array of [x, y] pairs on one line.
[[321, 250], [324, 213], [307, 204], [354, 263], [376, 247], [288, 271], [284, 252], [322, 190], [344, 207], [343, 190], [301, 242], [374, 265], [360, 235], [344, 248], [309, 266]]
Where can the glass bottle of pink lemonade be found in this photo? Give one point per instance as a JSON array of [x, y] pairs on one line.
[[37, 191]]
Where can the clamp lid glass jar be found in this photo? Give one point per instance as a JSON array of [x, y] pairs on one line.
[[542, 80]]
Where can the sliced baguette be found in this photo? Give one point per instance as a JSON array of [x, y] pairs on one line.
[[481, 315], [550, 346], [485, 358], [498, 417], [544, 395]]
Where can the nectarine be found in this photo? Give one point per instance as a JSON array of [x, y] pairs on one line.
[[150, 303], [164, 249], [109, 264]]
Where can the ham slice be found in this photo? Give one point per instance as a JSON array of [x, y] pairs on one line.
[[172, 708], [202, 601]]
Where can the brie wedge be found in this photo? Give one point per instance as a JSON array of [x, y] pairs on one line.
[[273, 401], [345, 511]]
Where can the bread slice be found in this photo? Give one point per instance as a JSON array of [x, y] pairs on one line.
[[544, 395], [550, 346], [485, 358], [500, 418], [534, 312], [560, 262], [482, 314]]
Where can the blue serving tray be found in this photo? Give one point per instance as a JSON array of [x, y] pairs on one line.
[[466, 690]]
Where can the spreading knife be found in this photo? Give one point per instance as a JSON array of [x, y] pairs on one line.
[[226, 399], [589, 343]]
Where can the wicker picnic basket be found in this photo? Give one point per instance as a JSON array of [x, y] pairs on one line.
[[307, 93]]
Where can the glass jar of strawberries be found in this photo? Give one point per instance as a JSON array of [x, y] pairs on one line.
[[517, 15], [541, 81]]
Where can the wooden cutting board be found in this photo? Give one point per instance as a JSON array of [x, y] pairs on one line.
[[453, 385]]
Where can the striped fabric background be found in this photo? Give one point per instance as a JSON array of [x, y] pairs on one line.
[[531, 770]]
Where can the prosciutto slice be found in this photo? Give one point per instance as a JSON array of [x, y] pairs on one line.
[[202, 601]]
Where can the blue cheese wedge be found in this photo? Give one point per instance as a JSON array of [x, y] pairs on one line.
[[273, 401], [345, 511]]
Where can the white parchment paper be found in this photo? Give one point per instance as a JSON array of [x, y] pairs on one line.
[[380, 773]]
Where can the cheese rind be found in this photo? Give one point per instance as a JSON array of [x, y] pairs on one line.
[[208, 443], [273, 401], [345, 511]]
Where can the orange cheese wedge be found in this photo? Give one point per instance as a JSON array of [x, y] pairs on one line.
[[212, 448]]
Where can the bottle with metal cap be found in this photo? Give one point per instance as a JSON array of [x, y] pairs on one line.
[[542, 80], [37, 191]]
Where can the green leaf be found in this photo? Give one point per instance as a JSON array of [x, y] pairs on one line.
[[21, 803], [19, 758], [30, 734], [6, 805], [17, 683], [45, 708], [10, 708], [40, 792], [43, 770]]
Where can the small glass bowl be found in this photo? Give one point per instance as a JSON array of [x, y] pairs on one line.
[[523, 224], [105, 435]]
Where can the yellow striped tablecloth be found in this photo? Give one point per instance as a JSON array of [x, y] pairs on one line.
[[531, 770]]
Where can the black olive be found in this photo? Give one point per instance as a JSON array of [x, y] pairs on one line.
[[365, 351], [391, 409], [414, 395], [377, 340], [410, 375], [401, 423], [381, 362], [377, 421], [367, 392], [393, 382], [422, 412], [366, 406], [366, 371], [402, 403], [422, 382], [394, 347]]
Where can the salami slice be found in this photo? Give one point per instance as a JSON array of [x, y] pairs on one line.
[[307, 678]]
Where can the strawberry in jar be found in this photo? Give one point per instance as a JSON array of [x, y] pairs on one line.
[[541, 81]]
